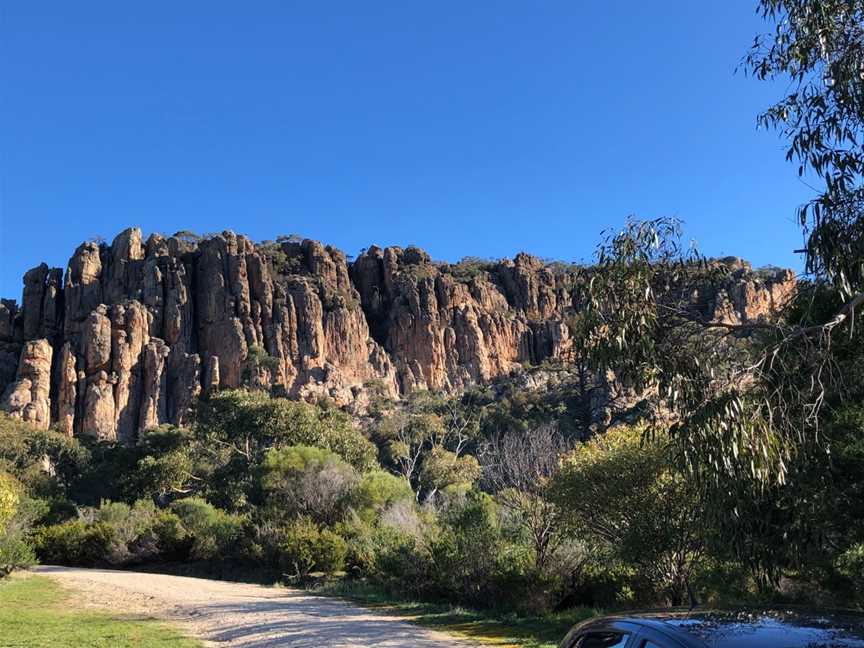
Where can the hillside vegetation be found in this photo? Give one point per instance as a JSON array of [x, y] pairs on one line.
[[565, 518]]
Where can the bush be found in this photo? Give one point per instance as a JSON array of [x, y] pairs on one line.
[[258, 422], [15, 553], [24, 451], [257, 356], [461, 555], [172, 539], [627, 497], [213, 532], [466, 551], [56, 511], [347, 441], [469, 267], [10, 494], [376, 491], [851, 564], [302, 480], [167, 466], [74, 543], [402, 564], [297, 552], [142, 532], [360, 545], [331, 552], [443, 468], [516, 584], [307, 548], [130, 524]]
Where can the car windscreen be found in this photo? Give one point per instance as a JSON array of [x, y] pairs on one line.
[[773, 630]]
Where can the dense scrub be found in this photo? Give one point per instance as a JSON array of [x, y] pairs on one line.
[[480, 500]]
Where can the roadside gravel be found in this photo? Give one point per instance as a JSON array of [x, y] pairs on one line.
[[239, 615]]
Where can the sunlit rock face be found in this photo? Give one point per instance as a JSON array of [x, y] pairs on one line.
[[134, 331], [28, 397]]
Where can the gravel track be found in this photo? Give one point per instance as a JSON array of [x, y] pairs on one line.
[[239, 615]]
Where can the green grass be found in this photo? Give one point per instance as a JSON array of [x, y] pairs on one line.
[[508, 630], [35, 613]]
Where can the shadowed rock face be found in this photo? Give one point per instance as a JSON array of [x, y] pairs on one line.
[[137, 329]]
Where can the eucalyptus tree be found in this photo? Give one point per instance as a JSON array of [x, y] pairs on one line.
[[817, 48], [742, 399]]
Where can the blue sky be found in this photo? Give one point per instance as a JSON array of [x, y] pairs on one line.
[[467, 128]]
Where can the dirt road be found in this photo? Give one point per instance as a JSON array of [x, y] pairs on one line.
[[242, 615]]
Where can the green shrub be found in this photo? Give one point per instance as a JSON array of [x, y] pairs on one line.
[[719, 581], [469, 267], [331, 552], [376, 491], [361, 549], [167, 466], [74, 543], [129, 523], [16, 550], [603, 582], [142, 532], [172, 539], [24, 451], [15, 553], [258, 422], [647, 517], [257, 356], [402, 565], [464, 571], [195, 513], [56, 511], [307, 548], [213, 532], [443, 468], [516, 584], [851, 564], [116, 533], [304, 480], [10, 494], [297, 550], [347, 441]]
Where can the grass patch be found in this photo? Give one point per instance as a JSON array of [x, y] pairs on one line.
[[487, 628], [35, 612]]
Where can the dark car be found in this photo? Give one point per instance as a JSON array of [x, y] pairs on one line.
[[721, 629]]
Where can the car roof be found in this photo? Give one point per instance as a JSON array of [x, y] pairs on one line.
[[746, 627], [633, 624]]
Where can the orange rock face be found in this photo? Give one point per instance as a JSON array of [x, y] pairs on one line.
[[136, 330]]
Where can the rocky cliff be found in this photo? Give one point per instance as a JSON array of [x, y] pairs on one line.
[[132, 332]]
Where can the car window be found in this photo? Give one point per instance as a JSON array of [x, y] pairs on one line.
[[603, 640], [650, 644]]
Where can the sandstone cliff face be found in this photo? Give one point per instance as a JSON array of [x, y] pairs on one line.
[[28, 397], [444, 333], [136, 330]]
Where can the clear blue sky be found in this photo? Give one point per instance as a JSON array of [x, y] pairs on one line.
[[467, 128]]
